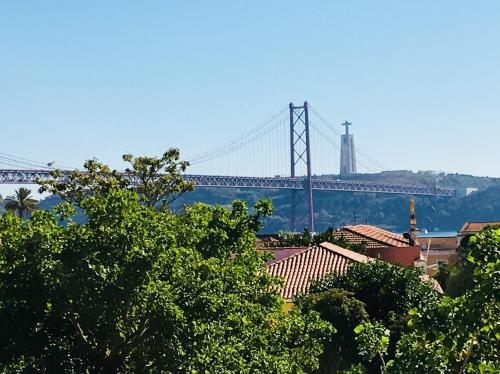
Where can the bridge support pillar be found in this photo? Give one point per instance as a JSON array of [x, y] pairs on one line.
[[293, 210], [300, 152]]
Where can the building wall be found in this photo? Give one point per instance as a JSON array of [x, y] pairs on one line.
[[404, 256], [442, 249], [434, 257]]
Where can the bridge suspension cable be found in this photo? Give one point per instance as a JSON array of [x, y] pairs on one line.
[[257, 156], [24, 163], [262, 151], [252, 135], [332, 142]]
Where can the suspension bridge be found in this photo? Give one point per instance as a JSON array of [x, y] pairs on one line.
[[280, 155]]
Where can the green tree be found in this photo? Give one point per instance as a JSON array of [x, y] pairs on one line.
[[22, 203], [388, 292], [462, 335], [158, 181], [344, 312], [373, 340], [138, 289], [456, 278]]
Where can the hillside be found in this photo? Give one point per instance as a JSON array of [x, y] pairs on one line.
[[425, 177], [384, 210]]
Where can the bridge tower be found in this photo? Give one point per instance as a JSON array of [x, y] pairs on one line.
[[300, 152], [347, 152]]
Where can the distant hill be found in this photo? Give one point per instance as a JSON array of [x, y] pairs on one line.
[[384, 210], [424, 177]]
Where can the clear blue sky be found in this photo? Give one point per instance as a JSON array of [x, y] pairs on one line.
[[420, 80]]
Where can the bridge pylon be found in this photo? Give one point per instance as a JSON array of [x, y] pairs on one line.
[[300, 152]]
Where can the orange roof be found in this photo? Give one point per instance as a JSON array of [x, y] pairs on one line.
[[475, 227], [374, 237], [311, 263], [280, 253]]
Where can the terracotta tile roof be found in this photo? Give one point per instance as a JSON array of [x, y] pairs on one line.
[[475, 227], [374, 237], [282, 252], [439, 243], [311, 263]]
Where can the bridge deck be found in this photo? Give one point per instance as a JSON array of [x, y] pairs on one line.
[[15, 176]]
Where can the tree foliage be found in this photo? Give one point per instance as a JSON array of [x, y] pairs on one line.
[[373, 340], [138, 289], [22, 203], [344, 312], [384, 210], [458, 335], [158, 181], [387, 292], [456, 278], [462, 335]]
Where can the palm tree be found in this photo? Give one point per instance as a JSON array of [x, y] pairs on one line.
[[22, 203]]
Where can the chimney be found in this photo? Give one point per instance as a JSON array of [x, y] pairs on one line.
[[413, 223]]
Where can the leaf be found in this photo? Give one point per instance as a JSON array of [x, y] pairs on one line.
[[359, 329]]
